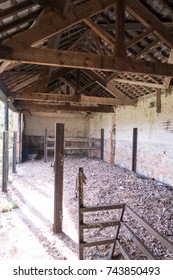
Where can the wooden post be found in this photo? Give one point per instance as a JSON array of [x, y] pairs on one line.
[[59, 164], [19, 139], [120, 48], [102, 145], [6, 126], [5, 162], [14, 151], [158, 101], [134, 149], [80, 215], [45, 145]]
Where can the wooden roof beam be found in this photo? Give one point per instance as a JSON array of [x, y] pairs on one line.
[[120, 47], [85, 61], [51, 23], [141, 13], [48, 98], [54, 108]]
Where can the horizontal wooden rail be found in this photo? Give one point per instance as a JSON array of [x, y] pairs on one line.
[[100, 225], [150, 229], [101, 208]]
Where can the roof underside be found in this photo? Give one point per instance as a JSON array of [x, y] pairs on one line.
[[84, 55]]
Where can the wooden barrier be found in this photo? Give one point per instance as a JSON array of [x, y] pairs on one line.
[[77, 144], [118, 225]]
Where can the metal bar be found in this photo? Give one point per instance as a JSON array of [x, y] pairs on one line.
[[14, 151], [102, 145], [134, 149], [140, 243], [152, 230], [45, 145], [5, 162], [59, 164], [101, 208]]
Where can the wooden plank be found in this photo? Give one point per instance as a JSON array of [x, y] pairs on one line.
[[142, 246], [134, 149], [79, 186], [152, 231], [124, 251], [99, 225], [78, 60], [5, 162], [14, 151], [45, 145], [58, 190], [149, 20], [102, 208], [99, 31], [102, 145], [139, 83], [158, 102], [120, 47], [53, 107], [97, 243], [51, 23]]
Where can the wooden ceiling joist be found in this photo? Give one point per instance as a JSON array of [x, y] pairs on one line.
[[85, 61]]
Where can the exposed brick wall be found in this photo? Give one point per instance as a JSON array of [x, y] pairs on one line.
[[155, 138]]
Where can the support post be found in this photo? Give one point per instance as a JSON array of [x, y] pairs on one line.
[[6, 126], [59, 164], [134, 149], [5, 162], [102, 145], [158, 101], [120, 47], [14, 151], [80, 215], [45, 145], [19, 139]]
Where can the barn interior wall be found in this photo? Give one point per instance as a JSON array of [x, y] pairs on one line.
[[76, 125], [155, 138], [108, 123]]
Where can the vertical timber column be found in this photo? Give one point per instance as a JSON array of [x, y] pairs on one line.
[[14, 151], [134, 149], [59, 164], [6, 128], [80, 215], [102, 144], [120, 47], [45, 145], [5, 162], [19, 139]]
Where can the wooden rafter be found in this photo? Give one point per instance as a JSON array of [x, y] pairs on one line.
[[139, 83], [48, 98], [146, 17], [85, 61], [120, 48], [51, 23], [167, 80], [16, 9]]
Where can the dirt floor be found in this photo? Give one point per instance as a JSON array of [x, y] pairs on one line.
[[26, 211]]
